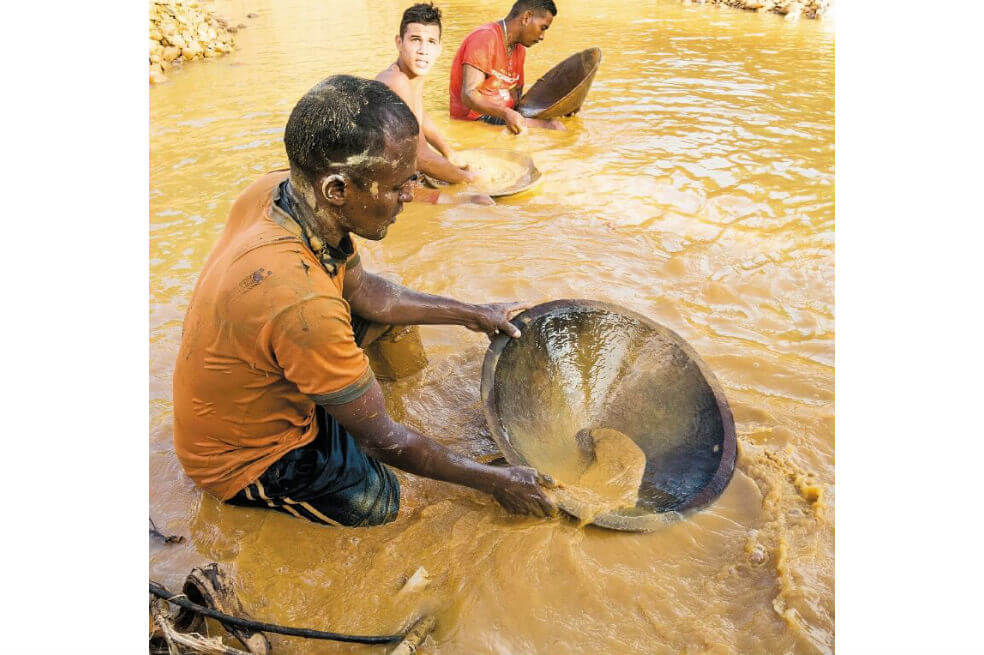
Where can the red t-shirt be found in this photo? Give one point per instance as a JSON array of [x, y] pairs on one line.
[[485, 49]]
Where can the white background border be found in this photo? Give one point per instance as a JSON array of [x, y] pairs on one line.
[[909, 354]]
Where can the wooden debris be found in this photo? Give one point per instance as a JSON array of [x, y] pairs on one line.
[[419, 580], [211, 587], [168, 539], [415, 636], [189, 641]]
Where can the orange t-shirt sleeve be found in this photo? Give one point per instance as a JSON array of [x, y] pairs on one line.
[[480, 51], [314, 344]]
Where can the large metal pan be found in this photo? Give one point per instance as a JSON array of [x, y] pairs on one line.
[[564, 87], [585, 364]]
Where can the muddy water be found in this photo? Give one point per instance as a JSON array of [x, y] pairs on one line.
[[696, 187]]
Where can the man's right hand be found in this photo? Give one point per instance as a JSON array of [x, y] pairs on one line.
[[464, 198], [514, 121], [520, 489], [479, 199]]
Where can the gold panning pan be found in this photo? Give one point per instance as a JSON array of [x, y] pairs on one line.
[[587, 364], [563, 88], [514, 171]]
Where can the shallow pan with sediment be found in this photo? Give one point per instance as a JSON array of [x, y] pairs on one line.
[[517, 171]]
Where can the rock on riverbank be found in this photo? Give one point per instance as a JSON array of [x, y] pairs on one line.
[[182, 30], [791, 9]]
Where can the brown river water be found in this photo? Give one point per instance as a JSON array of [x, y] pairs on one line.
[[695, 187]]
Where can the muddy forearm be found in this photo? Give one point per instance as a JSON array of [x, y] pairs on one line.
[[414, 453], [380, 436], [516, 488], [383, 301]]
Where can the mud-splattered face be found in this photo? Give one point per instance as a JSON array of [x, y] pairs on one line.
[[535, 27], [372, 203], [419, 47]]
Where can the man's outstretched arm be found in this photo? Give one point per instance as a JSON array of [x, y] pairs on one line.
[[434, 136], [517, 488], [439, 166], [475, 100], [430, 132], [382, 301]]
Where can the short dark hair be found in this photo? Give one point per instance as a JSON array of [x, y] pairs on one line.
[[344, 117], [425, 13], [534, 5]]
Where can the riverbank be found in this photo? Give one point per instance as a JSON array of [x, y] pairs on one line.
[[183, 30], [791, 9]]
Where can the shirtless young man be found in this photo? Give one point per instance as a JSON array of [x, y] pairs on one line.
[[487, 71], [419, 46]]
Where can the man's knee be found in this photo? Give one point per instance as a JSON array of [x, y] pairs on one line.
[[372, 332], [378, 518], [396, 352], [377, 503]]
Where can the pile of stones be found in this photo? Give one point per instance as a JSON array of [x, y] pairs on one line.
[[791, 9], [182, 30]]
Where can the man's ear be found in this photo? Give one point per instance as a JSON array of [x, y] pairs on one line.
[[527, 17], [397, 40], [331, 189]]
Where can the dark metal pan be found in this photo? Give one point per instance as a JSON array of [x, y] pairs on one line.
[[585, 364], [564, 87]]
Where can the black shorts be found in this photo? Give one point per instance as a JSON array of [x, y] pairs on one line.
[[491, 120], [330, 480]]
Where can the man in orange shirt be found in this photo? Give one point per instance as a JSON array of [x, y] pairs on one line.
[[487, 71], [275, 404]]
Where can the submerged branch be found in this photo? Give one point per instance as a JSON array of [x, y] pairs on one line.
[[226, 619]]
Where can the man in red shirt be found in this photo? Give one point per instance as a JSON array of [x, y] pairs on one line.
[[487, 71]]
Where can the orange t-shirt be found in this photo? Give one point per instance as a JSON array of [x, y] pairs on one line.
[[267, 335], [485, 49]]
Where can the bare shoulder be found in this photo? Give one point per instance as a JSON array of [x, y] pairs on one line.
[[397, 80]]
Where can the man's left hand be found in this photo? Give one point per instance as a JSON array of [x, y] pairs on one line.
[[494, 318]]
